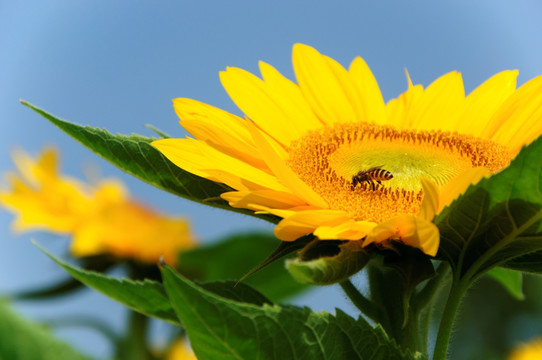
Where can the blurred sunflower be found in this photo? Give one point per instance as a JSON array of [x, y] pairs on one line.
[[531, 350], [330, 157], [180, 350], [101, 218]]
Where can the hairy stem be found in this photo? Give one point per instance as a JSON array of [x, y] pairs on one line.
[[366, 306], [448, 316]]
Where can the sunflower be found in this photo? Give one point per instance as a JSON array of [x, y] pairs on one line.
[[531, 350], [298, 150], [102, 218]]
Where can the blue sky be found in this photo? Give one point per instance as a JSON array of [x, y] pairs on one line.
[[118, 65]]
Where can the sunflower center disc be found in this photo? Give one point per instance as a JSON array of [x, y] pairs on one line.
[[328, 159]]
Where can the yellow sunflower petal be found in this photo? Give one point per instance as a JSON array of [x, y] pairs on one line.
[[459, 184], [399, 111], [285, 174], [251, 95], [254, 200], [331, 143], [352, 230], [408, 229], [287, 95], [220, 129], [430, 200], [369, 95], [326, 85], [519, 117], [198, 158], [304, 222], [482, 103], [441, 104]]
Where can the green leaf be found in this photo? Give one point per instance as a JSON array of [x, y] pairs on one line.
[[530, 263], [233, 257], [23, 340], [511, 280], [219, 328], [136, 156], [498, 221], [327, 270], [99, 263], [158, 132], [234, 291], [147, 297], [64, 287]]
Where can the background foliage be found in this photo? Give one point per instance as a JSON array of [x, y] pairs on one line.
[[117, 65]]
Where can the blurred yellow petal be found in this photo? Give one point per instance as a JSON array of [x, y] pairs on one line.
[[41, 198], [129, 230], [180, 350], [101, 218], [531, 350]]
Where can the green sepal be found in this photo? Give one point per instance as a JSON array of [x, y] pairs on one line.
[[341, 260], [411, 263], [233, 257], [285, 248], [135, 155], [414, 267], [22, 339], [497, 222], [220, 328], [511, 280]]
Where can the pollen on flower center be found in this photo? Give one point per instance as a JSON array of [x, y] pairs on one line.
[[328, 159]]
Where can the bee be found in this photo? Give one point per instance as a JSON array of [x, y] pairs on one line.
[[371, 175]]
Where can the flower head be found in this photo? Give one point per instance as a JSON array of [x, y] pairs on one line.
[[101, 218], [330, 157]]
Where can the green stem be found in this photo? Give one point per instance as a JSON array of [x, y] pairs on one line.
[[366, 306], [410, 334], [423, 302], [427, 294], [448, 316], [134, 345]]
